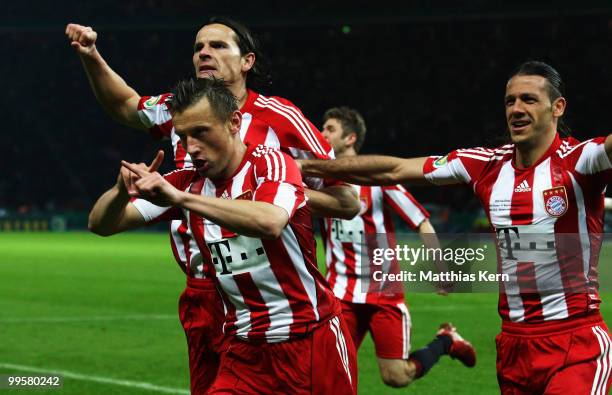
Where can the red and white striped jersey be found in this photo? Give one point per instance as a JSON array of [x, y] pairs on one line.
[[271, 289], [548, 220], [347, 255], [272, 121]]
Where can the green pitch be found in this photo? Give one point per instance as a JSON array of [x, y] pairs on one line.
[[102, 311]]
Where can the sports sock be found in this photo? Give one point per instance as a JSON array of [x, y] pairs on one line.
[[427, 356]]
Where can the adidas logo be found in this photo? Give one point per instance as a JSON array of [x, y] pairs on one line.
[[523, 187], [225, 195]]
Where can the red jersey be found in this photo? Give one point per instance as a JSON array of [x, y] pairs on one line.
[[548, 219], [349, 264], [272, 121], [271, 289]]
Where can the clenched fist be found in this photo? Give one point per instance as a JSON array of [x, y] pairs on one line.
[[82, 38]]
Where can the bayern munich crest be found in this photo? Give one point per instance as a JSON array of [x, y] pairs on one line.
[[555, 201]]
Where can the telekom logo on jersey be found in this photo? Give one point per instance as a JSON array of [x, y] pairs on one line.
[[510, 243], [237, 255]]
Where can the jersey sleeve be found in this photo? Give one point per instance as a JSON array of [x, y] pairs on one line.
[[591, 158], [153, 213], [279, 181], [181, 180], [153, 112], [293, 130], [296, 134], [462, 166], [405, 205]]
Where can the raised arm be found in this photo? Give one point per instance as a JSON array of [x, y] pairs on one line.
[[368, 169], [335, 201], [117, 98]]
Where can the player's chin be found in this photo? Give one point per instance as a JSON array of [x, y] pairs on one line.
[[518, 137]]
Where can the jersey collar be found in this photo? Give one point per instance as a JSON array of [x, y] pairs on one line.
[[553, 147]]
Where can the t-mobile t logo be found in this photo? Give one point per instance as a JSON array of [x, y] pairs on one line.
[[237, 254], [509, 241]]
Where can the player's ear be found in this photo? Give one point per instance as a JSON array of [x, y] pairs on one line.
[[350, 139], [248, 61], [235, 122], [558, 107]]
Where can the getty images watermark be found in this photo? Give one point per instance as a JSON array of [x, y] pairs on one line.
[[510, 261], [411, 256]]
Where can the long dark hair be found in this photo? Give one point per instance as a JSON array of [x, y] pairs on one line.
[[259, 75]]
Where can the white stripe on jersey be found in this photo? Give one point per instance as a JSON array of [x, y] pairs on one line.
[[341, 282], [279, 310], [501, 196], [276, 165], [297, 258], [411, 209], [178, 242], [286, 197], [244, 126], [243, 314], [583, 232], [296, 119], [547, 270], [272, 139], [238, 180], [566, 153], [499, 204], [478, 157], [212, 231]]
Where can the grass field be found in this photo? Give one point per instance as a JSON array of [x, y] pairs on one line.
[[103, 313]]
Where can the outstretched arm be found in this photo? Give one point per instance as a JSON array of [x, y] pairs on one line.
[[117, 98], [368, 169], [336, 201]]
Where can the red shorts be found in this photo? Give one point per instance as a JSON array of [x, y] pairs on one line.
[[389, 325], [322, 362], [202, 316], [569, 357]]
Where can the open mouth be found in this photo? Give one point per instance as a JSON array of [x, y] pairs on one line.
[[206, 69], [519, 125], [200, 164]]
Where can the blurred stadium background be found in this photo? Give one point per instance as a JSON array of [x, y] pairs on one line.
[[427, 76]]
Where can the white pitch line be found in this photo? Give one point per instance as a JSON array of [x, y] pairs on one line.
[[134, 317], [97, 379]]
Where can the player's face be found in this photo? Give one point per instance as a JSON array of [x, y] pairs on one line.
[[210, 142], [333, 131], [216, 53], [530, 113]]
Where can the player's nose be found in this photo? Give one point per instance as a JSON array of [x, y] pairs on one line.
[[191, 146]]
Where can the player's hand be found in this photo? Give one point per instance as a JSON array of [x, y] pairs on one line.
[[82, 38], [146, 183], [126, 181]]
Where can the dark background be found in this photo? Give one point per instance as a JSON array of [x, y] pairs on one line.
[[427, 76]]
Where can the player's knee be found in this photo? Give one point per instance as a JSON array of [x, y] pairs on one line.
[[395, 376]]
